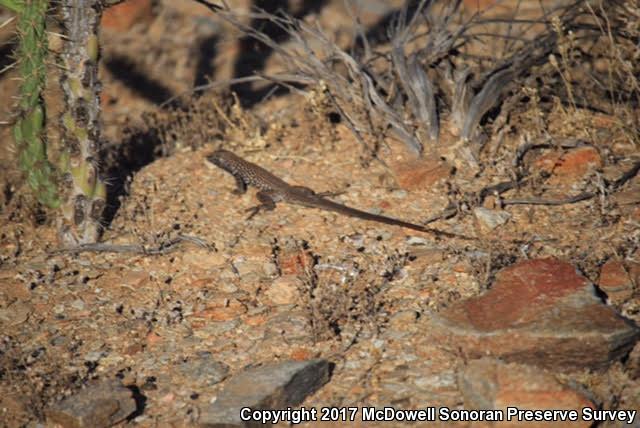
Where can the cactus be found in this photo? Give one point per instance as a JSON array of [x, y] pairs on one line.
[[28, 132], [74, 187], [82, 193]]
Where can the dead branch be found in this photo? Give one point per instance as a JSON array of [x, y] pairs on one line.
[[161, 249]]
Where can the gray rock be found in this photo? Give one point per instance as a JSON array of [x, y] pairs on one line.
[[78, 304], [203, 367], [100, 405], [294, 324], [17, 313], [272, 386], [491, 218]]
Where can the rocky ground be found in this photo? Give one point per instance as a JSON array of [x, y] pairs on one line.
[[298, 307]]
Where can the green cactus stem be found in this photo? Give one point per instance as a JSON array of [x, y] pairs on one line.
[[14, 6], [28, 132]]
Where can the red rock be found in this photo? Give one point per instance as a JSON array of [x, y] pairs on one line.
[[420, 173], [231, 310], [539, 312], [108, 100], [198, 323], [14, 289], [202, 282], [219, 314], [604, 121], [256, 320], [488, 383], [301, 354], [122, 16], [617, 279], [133, 349], [462, 267], [295, 263], [385, 205], [154, 339], [572, 164]]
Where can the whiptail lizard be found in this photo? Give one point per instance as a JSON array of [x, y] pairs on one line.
[[271, 189]]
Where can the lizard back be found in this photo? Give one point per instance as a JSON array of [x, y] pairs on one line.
[[252, 174]]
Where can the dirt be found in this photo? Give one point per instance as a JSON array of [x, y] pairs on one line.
[[293, 283]]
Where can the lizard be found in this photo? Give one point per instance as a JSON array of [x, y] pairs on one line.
[[272, 189]]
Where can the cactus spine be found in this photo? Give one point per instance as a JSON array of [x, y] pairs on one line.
[[28, 131], [83, 194]]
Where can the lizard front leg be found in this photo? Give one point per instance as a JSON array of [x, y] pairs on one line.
[[267, 203], [241, 185]]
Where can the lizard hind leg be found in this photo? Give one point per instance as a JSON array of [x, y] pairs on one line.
[[267, 203], [310, 192], [329, 194], [304, 190]]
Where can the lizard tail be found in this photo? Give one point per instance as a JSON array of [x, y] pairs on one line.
[[353, 212]]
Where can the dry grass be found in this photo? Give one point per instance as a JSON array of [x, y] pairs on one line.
[[430, 72]]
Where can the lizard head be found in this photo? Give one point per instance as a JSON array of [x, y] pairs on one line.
[[221, 157]]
